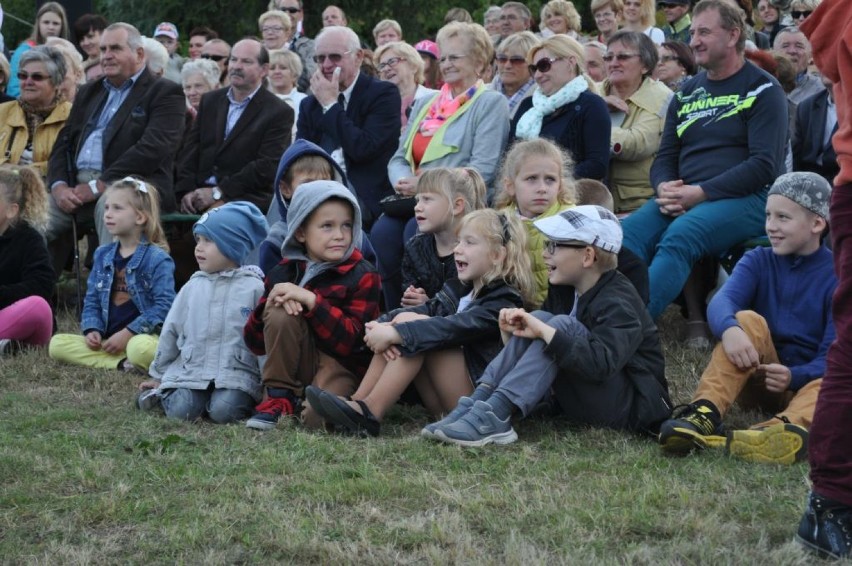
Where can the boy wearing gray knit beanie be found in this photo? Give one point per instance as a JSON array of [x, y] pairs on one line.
[[773, 317], [202, 368]]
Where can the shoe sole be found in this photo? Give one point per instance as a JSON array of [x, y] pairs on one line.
[[778, 444], [259, 425], [501, 439], [682, 441], [818, 550]]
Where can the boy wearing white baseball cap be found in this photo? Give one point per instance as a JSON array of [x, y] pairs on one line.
[[602, 361]]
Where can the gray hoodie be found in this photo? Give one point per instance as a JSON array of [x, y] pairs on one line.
[[307, 198]]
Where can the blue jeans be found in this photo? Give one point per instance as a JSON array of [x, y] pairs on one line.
[[671, 246], [221, 405], [388, 237]]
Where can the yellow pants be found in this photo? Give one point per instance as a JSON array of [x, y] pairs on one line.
[[72, 349], [723, 382]]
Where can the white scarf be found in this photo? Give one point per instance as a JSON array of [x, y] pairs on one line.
[[529, 125]]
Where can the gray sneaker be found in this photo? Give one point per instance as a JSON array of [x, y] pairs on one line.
[[148, 400], [464, 405], [478, 427]]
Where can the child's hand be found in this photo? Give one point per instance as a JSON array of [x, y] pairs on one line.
[[407, 317], [381, 338], [522, 324], [93, 340], [413, 297], [391, 354], [293, 298], [739, 349], [149, 384], [511, 319], [117, 343], [407, 186], [778, 377]]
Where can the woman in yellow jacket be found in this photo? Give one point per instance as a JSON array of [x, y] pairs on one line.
[[30, 125]]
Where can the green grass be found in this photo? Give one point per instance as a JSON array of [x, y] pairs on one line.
[[84, 478]]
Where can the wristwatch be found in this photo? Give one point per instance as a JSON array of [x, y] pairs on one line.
[[93, 184], [217, 194]]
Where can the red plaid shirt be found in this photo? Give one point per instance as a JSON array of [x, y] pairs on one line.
[[347, 298]]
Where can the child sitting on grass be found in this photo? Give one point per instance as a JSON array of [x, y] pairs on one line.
[[537, 181], [603, 360], [443, 345], [26, 273], [310, 320], [444, 196], [773, 317], [130, 289], [202, 366]]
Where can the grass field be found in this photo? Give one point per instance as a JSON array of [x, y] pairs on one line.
[[87, 479]]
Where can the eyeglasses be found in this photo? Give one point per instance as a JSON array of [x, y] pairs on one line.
[[543, 65], [291, 10], [509, 17], [668, 58], [514, 60], [621, 57], [800, 13], [36, 77], [550, 246], [276, 29], [392, 63], [214, 57], [451, 59], [604, 15], [335, 58], [664, 5]]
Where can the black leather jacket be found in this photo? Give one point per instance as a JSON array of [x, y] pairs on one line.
[[474, 329]]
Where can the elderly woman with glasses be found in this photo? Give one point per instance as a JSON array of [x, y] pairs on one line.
[[513, 78], [637, 106], [30, 125], [401, 64], [608, 16], [565, 109], [676, 64], [465, 124]]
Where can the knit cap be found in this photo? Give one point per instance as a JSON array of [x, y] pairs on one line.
[[591, 224], [808, 190], [236, 227]]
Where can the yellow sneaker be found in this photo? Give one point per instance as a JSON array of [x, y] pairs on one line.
[[783, 443]]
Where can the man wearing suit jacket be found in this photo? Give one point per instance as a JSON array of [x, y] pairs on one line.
[[130, 123], [816, 122], [352, 116], [237, 138]]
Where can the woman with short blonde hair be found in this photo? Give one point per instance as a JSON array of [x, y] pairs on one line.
[[560, 16], [275, 27]]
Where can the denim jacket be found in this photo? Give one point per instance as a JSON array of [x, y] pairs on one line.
[[150, 283]]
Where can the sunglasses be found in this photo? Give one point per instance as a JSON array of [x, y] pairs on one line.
[[36, 77], [800, 13], [392, 63], [514, 60], [214, 57], [621, 57], [291, 10], [335, 58], [550, 246], [664, 5], [543, 65]]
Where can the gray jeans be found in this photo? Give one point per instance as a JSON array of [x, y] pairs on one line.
[[223, 406], [522, 370], [60, 221]]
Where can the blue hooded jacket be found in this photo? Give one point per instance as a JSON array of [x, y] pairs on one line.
[[270, 249]]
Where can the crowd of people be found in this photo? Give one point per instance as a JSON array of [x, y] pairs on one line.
[[488, 223]]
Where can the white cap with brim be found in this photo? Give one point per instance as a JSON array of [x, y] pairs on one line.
[[591, 224]]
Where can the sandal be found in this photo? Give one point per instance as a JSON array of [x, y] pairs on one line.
[[339, 412]]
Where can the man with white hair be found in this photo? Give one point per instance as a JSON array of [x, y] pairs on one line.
[[793, 43], [352, 116]]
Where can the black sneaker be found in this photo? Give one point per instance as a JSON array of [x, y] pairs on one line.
[[826, 528], [269, 411], [697, 425]]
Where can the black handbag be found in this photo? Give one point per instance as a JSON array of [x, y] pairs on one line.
[[398, 206]]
